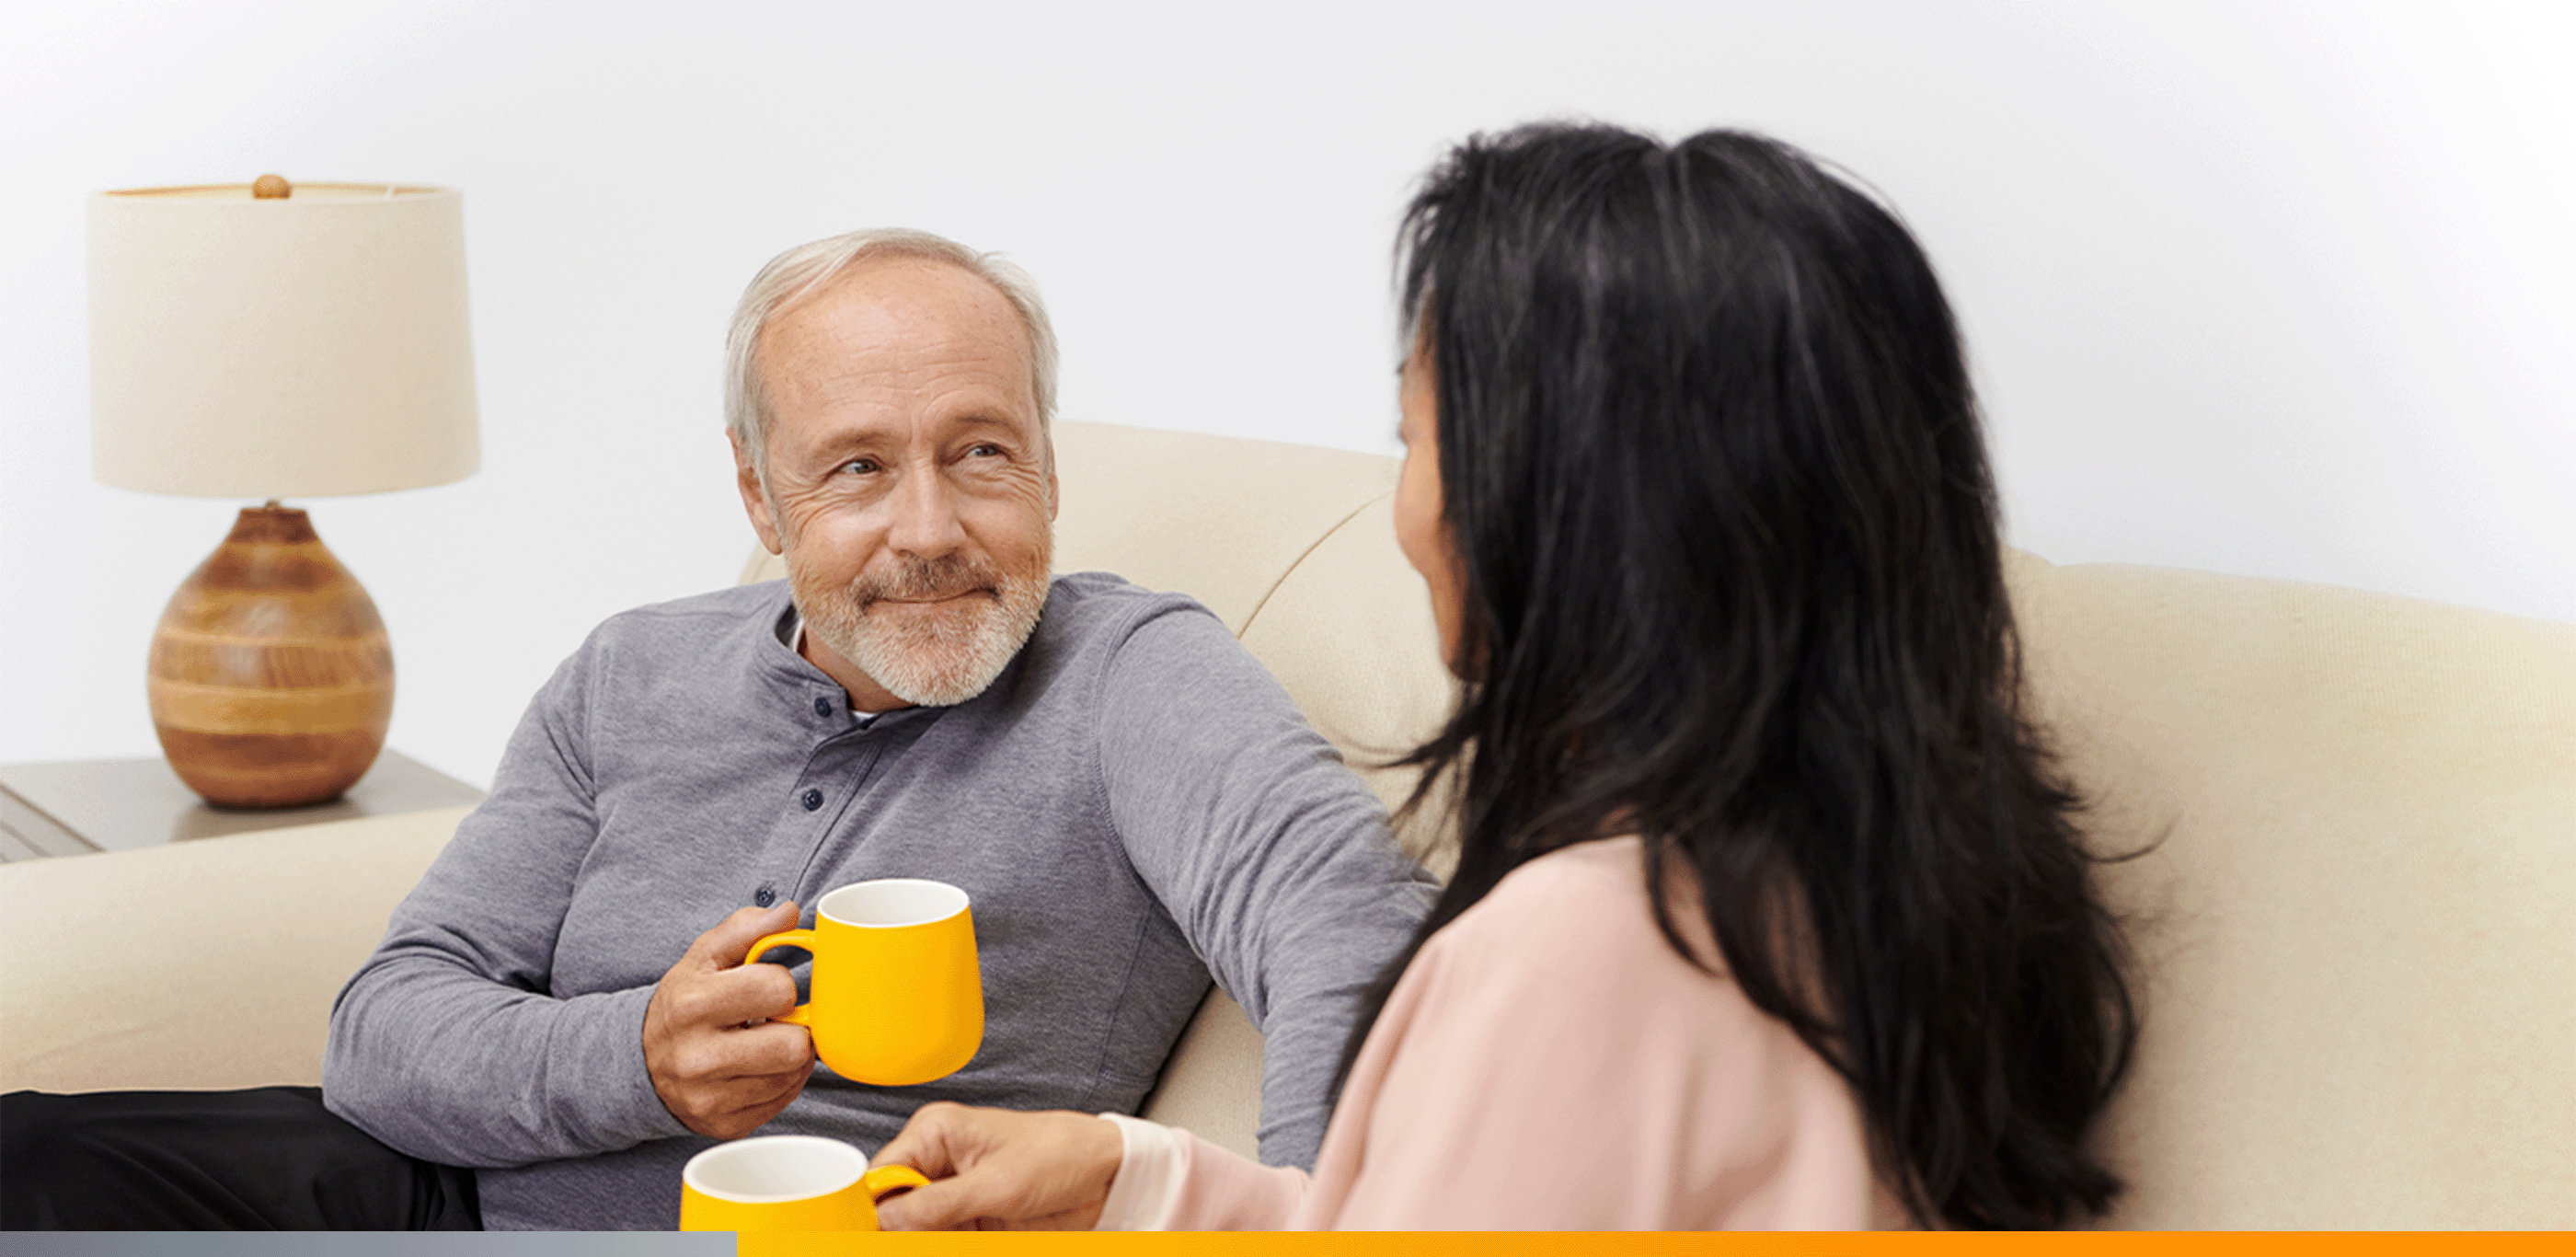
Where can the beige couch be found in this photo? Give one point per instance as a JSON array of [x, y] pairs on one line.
[[2356, 925]]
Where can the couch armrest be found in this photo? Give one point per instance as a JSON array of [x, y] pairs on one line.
[[198, 965]]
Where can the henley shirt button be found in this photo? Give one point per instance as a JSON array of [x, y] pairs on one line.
[[765, 897], [822, 707], [813, 799]]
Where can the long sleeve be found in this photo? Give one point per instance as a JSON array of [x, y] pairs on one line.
[[1273, 859], [448, 1044], [1171, 1180]]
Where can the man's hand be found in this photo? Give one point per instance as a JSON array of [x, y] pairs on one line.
[[996, 1170], [718, 1066]]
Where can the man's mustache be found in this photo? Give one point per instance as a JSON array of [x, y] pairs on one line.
[[928, 580]]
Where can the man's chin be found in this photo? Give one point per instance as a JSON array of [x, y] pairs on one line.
[[935, 655], [934, 687]]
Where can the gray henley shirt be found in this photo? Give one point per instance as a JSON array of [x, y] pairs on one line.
[[1134, 805]]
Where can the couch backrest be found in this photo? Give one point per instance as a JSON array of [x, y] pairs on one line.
[[2356, 919]]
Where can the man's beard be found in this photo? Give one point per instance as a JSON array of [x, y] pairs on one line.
[[935, 660]]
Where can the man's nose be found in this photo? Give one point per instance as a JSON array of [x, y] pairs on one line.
[[925, 517]]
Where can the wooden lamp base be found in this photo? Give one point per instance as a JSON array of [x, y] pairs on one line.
[[272, 680]]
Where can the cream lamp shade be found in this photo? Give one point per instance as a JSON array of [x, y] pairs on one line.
[[264, 340], [310, 345]]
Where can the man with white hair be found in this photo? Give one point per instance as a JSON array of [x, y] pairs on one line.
[[1130, 801]]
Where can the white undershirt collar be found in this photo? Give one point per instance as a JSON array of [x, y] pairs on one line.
[[796, 642]]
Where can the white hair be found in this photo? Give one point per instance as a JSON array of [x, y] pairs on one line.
[[798, 272]]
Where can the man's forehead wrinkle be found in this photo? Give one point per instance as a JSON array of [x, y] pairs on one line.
[[900, 390]]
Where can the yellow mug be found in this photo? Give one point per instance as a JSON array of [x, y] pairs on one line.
[[786, 1183], [897, 997]]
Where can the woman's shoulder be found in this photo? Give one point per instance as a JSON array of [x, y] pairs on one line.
[[1580, 908], [1611, 870]]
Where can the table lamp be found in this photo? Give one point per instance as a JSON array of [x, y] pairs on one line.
[[268, 341]]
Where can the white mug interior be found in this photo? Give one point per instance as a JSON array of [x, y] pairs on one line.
[[774, 1169], [892, 902]]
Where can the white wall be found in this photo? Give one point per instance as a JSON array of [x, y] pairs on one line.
[[2257, 288]]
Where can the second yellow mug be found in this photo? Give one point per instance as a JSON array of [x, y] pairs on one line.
[[786, 1183], [897, 998]]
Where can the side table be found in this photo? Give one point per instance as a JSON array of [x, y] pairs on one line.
[[84, 806]]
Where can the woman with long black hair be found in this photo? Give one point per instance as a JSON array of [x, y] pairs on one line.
[[1768, 910]]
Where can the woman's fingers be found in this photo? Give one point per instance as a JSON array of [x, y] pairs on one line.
[[997, 1169]]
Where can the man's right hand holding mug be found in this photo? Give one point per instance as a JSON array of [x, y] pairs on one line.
[[717, 1063]]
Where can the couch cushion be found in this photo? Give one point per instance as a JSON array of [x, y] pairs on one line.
[[196, 965]]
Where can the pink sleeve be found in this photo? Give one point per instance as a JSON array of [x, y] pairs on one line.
[[1226, 1191], [1555, 1065], [1171, 1180]]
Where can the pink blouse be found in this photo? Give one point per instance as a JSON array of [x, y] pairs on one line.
[[1548, 1062]]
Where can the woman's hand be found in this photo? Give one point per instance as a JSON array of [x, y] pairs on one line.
[[997, 1170]]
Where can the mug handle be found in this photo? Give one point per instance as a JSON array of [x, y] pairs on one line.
[[798, 1016], [886, 1178]]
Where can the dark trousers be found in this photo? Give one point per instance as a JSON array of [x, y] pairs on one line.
[[271, 1158]]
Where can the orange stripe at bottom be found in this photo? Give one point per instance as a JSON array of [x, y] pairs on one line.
[[1665, 1243]]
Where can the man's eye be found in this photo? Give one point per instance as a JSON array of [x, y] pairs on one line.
[[986, 450], [860, 466]]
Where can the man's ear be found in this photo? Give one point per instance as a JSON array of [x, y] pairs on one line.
[[1055, 495], [755, 503]]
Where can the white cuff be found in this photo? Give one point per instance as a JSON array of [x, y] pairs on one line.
[[1153, 1160]]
